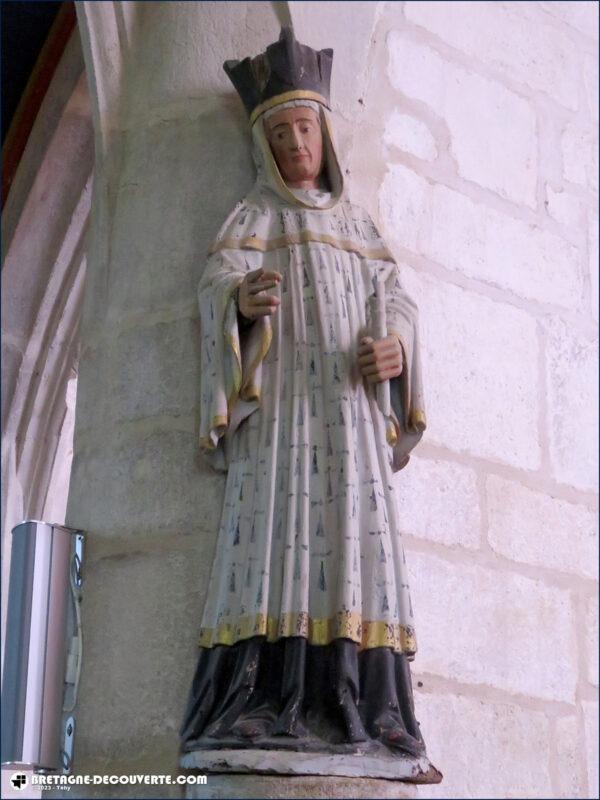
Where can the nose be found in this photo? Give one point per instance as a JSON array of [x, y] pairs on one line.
[[297, 142]]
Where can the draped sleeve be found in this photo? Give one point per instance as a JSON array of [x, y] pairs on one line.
[[230, 357], [406, 391]]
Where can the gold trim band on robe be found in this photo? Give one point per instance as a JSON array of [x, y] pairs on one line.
[[237, 380], [391, 434], [218, 426], [220, 422], [302, 237], [286, 97], [344, 625], [234, 344], [249, 390], [417, 420]]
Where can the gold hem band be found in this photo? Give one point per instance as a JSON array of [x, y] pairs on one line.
[[344, 625]]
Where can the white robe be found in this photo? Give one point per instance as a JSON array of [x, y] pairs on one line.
[[309, 542]]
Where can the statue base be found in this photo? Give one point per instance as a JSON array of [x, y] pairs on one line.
[[265, 787], [405, 768]]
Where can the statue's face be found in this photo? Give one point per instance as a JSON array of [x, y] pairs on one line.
[[297, 144]]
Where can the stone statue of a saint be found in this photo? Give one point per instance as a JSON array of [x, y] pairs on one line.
[[311, 398]]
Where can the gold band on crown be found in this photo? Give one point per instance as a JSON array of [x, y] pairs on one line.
[[295, 94]]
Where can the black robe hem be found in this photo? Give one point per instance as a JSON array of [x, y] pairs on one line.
[[293, 696]]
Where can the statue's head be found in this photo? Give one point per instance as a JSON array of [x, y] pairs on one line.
[[286, 93], [296, 141]]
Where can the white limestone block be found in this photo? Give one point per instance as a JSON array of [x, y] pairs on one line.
[[493, 136], [493, 130], [492, 246], [480, 365], [591, 628], [572, 396], [535, 528], [477, 240], [510, 38], [405, 207], [492, 627], [417, 71], [564, 207], [594, 260], [581, 15], [411, 135], [348, 30], [485, 749], [590, 716], [570, 754], [579, 145], [590, 81], [439, 501]]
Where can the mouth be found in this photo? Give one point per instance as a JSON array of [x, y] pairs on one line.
[[299, 158]]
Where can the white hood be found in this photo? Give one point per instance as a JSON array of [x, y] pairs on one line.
[[269, 176]]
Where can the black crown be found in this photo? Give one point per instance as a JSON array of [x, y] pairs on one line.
[[286, 66]]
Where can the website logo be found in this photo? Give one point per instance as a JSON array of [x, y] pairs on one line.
[[19, 780]]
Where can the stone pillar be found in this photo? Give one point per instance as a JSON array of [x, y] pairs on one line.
[[171, 160]]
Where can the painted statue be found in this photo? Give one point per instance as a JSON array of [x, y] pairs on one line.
[[311, 399]]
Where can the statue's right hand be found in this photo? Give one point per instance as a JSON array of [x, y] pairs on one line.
[[253, 301]]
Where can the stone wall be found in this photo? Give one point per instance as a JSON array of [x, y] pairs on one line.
[[469, 131], [477, 140]]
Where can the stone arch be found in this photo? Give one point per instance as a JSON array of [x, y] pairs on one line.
[[44, 227]]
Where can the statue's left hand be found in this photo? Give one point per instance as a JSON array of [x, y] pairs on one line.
[[380, 359]]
